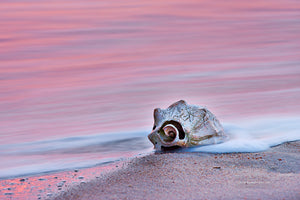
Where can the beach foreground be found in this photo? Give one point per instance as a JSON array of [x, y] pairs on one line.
[[273, 174]]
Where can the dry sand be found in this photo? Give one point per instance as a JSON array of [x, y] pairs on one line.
[[274, 174]]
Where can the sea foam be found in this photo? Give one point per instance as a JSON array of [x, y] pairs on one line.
[[255, 135]]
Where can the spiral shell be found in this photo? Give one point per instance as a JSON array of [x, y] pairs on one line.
[[185, 125]]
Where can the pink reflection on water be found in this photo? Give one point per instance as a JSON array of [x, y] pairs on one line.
[[87, 65]]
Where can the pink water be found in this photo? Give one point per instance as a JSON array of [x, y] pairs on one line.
[[74, 72]]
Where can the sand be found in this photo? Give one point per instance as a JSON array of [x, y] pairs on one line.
[[273, 174]]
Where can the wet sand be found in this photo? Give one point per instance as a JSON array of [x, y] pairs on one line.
[[273, 174]]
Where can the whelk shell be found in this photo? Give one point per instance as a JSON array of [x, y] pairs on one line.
[[183, 125]]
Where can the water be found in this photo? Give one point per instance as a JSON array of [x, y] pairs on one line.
[[255, 136], [79, 79]]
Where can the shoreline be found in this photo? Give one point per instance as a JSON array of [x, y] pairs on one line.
[[272, 174], [46, 185]]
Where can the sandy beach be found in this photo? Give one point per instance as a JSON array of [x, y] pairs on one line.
[[273, 174]]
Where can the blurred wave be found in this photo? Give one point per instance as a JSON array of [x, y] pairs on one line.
[[70, 153], [255, 136], [86, 151]]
